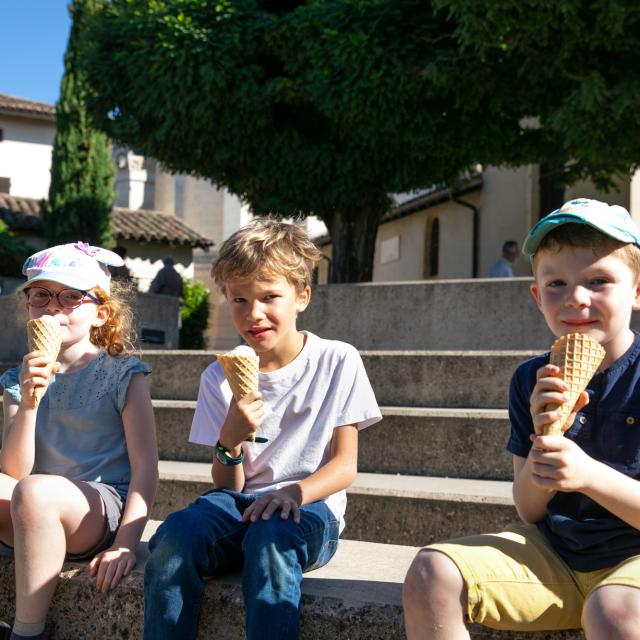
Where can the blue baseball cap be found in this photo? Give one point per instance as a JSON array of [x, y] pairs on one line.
[[612, 220]]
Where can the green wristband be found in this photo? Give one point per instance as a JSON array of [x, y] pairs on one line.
[[224, 456]]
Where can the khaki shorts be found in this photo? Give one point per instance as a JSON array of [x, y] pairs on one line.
[[515, 580]]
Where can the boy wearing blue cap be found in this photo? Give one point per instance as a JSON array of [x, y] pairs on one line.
[[575, 560]]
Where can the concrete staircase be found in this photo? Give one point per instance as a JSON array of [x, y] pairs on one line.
[[417, 481], [435, 468]]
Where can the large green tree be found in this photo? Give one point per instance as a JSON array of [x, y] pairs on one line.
[[328, 106], [317, 107], [81, 193]]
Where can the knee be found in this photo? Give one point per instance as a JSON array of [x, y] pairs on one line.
[[612, 611], [433, 577], [175, 536], [273, 537], [178, 539], [32, 498]]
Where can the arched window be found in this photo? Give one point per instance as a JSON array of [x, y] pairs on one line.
[[434, 248]]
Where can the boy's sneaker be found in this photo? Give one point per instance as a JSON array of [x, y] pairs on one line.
[[5, 631]]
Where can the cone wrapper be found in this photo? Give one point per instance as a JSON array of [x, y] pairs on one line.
[[578, 356], [44, 335]]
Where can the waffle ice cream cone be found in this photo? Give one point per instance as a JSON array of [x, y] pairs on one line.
[[240, 367], [578, 357], [44, 335]]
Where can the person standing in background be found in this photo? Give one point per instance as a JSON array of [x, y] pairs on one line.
[[503, 267], [168, 281]]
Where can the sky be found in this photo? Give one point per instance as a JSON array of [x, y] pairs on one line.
[[32, 46]]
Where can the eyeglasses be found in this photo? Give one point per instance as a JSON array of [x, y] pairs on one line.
[[39, 297]]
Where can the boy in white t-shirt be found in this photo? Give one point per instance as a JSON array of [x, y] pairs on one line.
[[277, 507]]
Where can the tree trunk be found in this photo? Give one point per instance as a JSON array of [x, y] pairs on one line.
[[353, 238]]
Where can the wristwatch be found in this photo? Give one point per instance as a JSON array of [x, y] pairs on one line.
[[224, 456]]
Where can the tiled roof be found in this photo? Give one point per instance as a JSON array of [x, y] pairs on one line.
[[406, 204], [11, 105], [147, 226], [23, 214], [20, 214]]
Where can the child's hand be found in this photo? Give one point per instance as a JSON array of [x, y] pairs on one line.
[[243, 419], [549, 391], [559, 464], [110, 565], [287, 500], [35, 372]]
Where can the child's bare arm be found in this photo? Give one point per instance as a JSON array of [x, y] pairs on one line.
[[337, 474], [17, 455], [112, 564], [529, 495], [530, 500], [243, 418]]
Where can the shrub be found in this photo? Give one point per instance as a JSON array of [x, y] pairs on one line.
[[13, 252], [195, 314]]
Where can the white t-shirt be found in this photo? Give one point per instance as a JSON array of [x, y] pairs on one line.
[[324, 387]]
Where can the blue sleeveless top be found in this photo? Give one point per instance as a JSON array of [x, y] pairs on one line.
[[79, 430]]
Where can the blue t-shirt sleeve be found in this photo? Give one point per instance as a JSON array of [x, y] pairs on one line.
[[522, 383], [128, 366], [10, 380]]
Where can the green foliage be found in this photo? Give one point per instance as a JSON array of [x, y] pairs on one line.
[[194, 313], [309, 108], [572, 65], [327, 106], [318, 107], [13, 253], [81, 192]]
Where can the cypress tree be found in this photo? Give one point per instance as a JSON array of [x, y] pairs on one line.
[[81, 193]]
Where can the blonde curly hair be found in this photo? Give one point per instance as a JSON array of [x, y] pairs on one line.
[[117, 335]]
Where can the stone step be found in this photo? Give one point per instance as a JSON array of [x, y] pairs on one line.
[[435, 314], [452, 379], [410, 440], [356, 596], [383, 508]]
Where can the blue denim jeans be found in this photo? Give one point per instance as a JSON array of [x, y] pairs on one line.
[[209, 538]]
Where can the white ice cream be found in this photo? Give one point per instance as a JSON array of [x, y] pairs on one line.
[[244, 350]]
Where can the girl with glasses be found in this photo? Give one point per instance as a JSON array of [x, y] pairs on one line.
[[79, 469]]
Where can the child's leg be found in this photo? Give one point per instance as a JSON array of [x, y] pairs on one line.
[[612, 607], [612, 611], [513, 580], [7, 484], [203, 539], [276, 552], [434, 598], [51, 515]]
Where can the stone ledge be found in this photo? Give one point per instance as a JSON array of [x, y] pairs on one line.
[[357, 596], [400, 510], [452, 379]]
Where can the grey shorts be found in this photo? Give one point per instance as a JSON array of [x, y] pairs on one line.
[[113, 508]]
